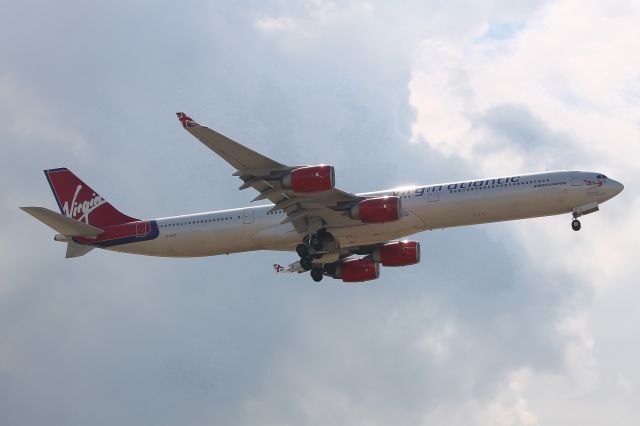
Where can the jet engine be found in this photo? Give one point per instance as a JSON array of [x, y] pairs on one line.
[[357, 270], [397, 253], [377, 210], [310, 179]]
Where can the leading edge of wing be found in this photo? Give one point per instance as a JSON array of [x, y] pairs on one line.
[[264, 175], [238, 156]]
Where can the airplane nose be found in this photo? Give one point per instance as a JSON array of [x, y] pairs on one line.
[[617, 187]]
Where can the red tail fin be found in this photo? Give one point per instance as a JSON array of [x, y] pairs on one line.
[[78, 201]]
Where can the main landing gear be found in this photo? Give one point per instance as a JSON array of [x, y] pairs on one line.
[[306, 263], [306, 258], [308, 250], [317, 274]]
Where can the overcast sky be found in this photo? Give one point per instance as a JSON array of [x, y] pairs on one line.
[[517, 323]]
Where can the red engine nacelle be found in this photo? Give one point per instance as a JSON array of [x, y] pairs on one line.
[[357, 270], [377, 210], [398, 253], [310, 179]]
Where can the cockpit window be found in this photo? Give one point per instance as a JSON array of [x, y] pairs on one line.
[[601, 177]]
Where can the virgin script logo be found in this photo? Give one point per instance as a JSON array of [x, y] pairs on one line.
[[596, 183], [80, 210]]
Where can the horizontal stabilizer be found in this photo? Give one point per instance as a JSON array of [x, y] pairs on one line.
[[63, 224], [77, 250], [294, 267]]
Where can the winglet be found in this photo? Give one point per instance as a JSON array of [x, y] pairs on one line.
[[186, 120]]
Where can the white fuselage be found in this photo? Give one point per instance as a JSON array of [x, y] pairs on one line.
[[424, 208]]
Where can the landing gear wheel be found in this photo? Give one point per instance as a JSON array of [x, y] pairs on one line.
[[575, 225], [330, 268], [316, 274], [302, 250], [305, 262], [316, 242]]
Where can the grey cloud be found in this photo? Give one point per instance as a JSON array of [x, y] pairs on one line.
[[514, 126]]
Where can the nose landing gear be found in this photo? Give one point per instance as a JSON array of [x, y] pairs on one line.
[[581, 211], [575, 225]]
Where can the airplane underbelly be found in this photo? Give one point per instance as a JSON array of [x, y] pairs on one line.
[[195, 243], [278, 237], [210, 243], [378, 232], [484, 209]]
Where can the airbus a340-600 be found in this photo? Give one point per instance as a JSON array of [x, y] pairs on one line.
[[334, 233]]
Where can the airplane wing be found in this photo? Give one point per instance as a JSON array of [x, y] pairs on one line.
[[265, 176]]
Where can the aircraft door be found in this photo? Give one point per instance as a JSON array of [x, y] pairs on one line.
[[576, 180], [247, 216], [433, 195], [141, 229]]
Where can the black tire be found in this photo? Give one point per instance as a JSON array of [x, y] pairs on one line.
[[302, 250], [316, 242], [575, 225], [330, 268], [305, 262], [317, 275]]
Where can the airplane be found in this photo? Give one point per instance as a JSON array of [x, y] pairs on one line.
[[335, 233]]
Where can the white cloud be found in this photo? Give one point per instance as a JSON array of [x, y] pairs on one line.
[[507, 407], [577, 79], [279, 24], [569, 78], [437, 342]]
